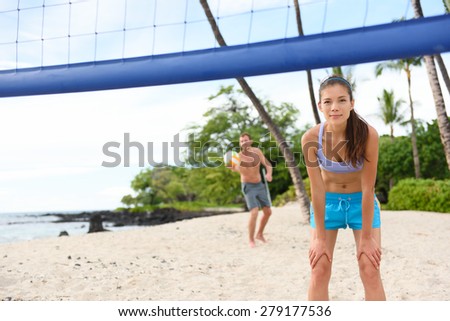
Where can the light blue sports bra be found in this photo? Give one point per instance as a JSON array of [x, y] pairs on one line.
[[330, 165]]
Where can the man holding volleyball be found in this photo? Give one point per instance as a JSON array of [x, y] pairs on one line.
[[253, 188]]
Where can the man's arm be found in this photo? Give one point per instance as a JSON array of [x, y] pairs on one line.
[[268, 166]]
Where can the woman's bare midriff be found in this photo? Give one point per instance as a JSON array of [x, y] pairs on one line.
[[342, 183]]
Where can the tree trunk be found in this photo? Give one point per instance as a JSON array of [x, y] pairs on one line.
[[296, 177], [413, 129], [442, 118], [312, 96], [308, 72], [443, 69], [96, 224], [294, 171]]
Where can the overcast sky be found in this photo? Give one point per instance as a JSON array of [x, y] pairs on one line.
[[52, 145]]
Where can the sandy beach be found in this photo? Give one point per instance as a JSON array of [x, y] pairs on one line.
[[209, 259]]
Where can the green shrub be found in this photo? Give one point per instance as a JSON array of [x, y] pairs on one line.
[[289, 195], [420, 195]]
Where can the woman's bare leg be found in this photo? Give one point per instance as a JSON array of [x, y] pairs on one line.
[[370, 276], [321, 273]]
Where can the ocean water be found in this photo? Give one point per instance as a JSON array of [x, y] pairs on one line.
[[16, 227]]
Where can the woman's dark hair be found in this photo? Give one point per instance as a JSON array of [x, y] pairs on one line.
[[357, 130]]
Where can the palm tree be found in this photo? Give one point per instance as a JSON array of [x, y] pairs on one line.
[[446, 5], [294, 171], [438, 57], [308, 72], [405, 65], [390, 115], [348, 74], [442, 118], [390, 110], [444, 72], [443, 69]]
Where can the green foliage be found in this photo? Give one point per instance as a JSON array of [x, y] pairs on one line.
[[235, 115], [158, 185], [420, 195], [395, 162], [390, 112], [205, 180], [289, 195], [284, 198], [433, 163], [217, 185], [398, 65], [146, 194]]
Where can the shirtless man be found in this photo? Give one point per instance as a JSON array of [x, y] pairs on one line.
[[253, 188]]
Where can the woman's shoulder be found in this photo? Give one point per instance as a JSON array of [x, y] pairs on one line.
[[311, 134], [373, 134]]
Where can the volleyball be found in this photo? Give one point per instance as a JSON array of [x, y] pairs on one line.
[[231, 158]]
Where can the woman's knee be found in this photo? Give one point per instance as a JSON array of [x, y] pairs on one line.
[[367, 270], [322, 270]]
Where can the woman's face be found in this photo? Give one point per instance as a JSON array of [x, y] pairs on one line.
[[335, 103]]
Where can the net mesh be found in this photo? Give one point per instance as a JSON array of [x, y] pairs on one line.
[[36, 33], [134, 43]]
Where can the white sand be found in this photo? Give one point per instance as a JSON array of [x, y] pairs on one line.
[[209, 259]]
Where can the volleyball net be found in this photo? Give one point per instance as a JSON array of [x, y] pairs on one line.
[[62, 46]]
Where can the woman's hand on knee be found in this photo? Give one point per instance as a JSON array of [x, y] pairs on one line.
[[317, 250], [370, 248]]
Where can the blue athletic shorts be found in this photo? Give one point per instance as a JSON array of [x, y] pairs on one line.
[[255, 195], [342, 210]]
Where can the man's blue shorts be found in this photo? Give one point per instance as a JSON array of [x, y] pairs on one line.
[[255, 195], [342, 210]]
